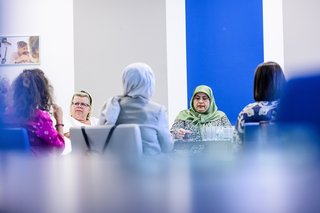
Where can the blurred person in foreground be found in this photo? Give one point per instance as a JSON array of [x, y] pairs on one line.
[[298, 117]]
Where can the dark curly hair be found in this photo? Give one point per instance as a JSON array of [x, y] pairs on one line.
[[31, 91]]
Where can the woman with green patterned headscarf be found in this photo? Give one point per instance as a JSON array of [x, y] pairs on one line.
[[203, 111]]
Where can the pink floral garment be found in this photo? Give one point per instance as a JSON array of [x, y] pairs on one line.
[[44, 138]]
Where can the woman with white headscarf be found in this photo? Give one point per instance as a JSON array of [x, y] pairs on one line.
[[135, 107]]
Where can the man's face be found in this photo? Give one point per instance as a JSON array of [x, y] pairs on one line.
[[23, 50]]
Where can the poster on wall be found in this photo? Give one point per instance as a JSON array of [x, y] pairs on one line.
[[16, 50]]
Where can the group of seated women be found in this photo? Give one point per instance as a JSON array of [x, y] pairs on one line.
[[32, 101]]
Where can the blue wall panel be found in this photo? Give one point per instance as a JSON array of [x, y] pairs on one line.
[[224, 45]]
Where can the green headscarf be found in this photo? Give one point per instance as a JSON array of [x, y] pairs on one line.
[[197, 118]]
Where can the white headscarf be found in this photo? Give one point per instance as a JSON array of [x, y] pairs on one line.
[[138, 80]]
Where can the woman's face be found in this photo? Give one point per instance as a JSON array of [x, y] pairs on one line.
[[201, 102], [80, 108]]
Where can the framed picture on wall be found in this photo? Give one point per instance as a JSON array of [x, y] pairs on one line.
[[16, 50]]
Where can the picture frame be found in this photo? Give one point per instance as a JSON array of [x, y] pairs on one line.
[[15, 50]]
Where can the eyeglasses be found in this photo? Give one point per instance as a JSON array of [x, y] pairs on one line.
[[80, 104]]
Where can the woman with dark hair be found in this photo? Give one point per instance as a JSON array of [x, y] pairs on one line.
[[31, 103], [268, 85]]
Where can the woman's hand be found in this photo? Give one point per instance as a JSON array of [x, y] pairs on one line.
[[182, 132], [57, 113]]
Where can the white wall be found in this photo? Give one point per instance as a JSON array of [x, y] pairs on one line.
[[176, 57], [53, 22], [291, 35], [111, 34], [301, 36], [273, 31]]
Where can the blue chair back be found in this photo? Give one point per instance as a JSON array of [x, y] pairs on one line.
[[14, 139], [251, 133], [259, 134]]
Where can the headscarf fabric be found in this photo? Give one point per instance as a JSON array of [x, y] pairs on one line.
[[198, 118], [138, 80]]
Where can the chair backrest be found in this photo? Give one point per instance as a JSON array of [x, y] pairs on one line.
[[257, 134], [251, 132], [125, 140], [14, 139]]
